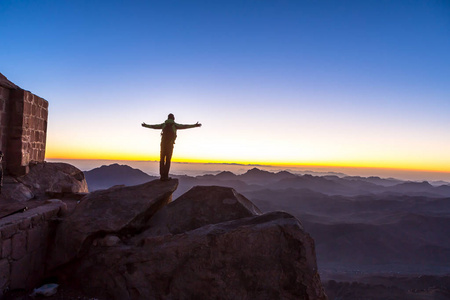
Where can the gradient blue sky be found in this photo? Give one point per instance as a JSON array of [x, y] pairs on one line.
[[356, 83]]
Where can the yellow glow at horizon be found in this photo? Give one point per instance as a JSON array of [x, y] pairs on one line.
[[261, 142], [397, 165]]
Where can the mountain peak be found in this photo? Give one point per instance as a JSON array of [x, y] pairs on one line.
[[255, 171], [115, 174]]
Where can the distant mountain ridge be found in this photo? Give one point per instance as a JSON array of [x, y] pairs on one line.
[[107, 176], [256, 179]]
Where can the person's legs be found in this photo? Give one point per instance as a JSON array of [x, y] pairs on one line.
[[165, 157], [162, 159], [168, 158]]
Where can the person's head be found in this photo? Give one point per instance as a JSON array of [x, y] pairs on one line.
[[171, 116]]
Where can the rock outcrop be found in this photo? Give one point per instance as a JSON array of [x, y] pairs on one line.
[[119, 210], [14, 192], [44, 181], [261, 257], [54, 178], [211, 243], [200, 206]]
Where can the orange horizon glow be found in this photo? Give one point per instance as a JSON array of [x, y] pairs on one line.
[[315, 164]]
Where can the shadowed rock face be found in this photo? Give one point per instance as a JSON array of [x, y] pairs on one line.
[[14, 192], [211, 243], [200, 206], [260, 257], [118, 210], [44, 181], [54, 178]]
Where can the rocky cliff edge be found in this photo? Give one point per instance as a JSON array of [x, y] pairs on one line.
[[136, 243], [210, 243]]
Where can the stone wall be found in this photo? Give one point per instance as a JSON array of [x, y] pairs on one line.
[[27, 131], [23, 246], [23, 127], [4, 117]]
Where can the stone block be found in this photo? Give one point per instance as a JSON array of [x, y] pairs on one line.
[[18, 107], [27, 108], [6, 248], [39, 101], [38, 259], [4, 275], [17, 95], [41, 156], [19, 245], [19, 273], [16, 133], [35, 239], [25, 224], [16, 119], [9, 230], [15, 144], [4, 117], [37, 219], [27, 96], [34, 109], [30, 123], [31, 97], [4, 93], [51, 213], [25, 146], [41, 125]]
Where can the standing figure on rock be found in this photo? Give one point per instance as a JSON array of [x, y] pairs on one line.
[[168, 136]]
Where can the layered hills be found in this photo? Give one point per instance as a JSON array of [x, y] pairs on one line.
[[360, 224], [375, 238]]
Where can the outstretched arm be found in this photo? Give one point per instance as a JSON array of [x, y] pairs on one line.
[[156, 126], [182, 126]]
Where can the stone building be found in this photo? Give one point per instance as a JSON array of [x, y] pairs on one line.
[[23, 127]]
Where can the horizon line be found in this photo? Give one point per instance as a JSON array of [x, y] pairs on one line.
[[262, 164]]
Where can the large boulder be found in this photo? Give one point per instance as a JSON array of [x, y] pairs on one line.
[[259, 257], [200, 206], [14, 191], [54, 178], [211, 243], [121, 211]]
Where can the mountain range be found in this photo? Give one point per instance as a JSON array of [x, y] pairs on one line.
[[107, 176], [360, 224]]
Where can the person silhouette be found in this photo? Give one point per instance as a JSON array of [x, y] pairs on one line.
[[168, 136]]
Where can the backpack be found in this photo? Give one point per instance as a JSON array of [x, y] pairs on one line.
[[168, 133]]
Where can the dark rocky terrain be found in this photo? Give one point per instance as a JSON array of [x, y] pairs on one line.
[[134, 242], [363, 227]]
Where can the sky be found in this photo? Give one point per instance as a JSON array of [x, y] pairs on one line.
[[329, 83]]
